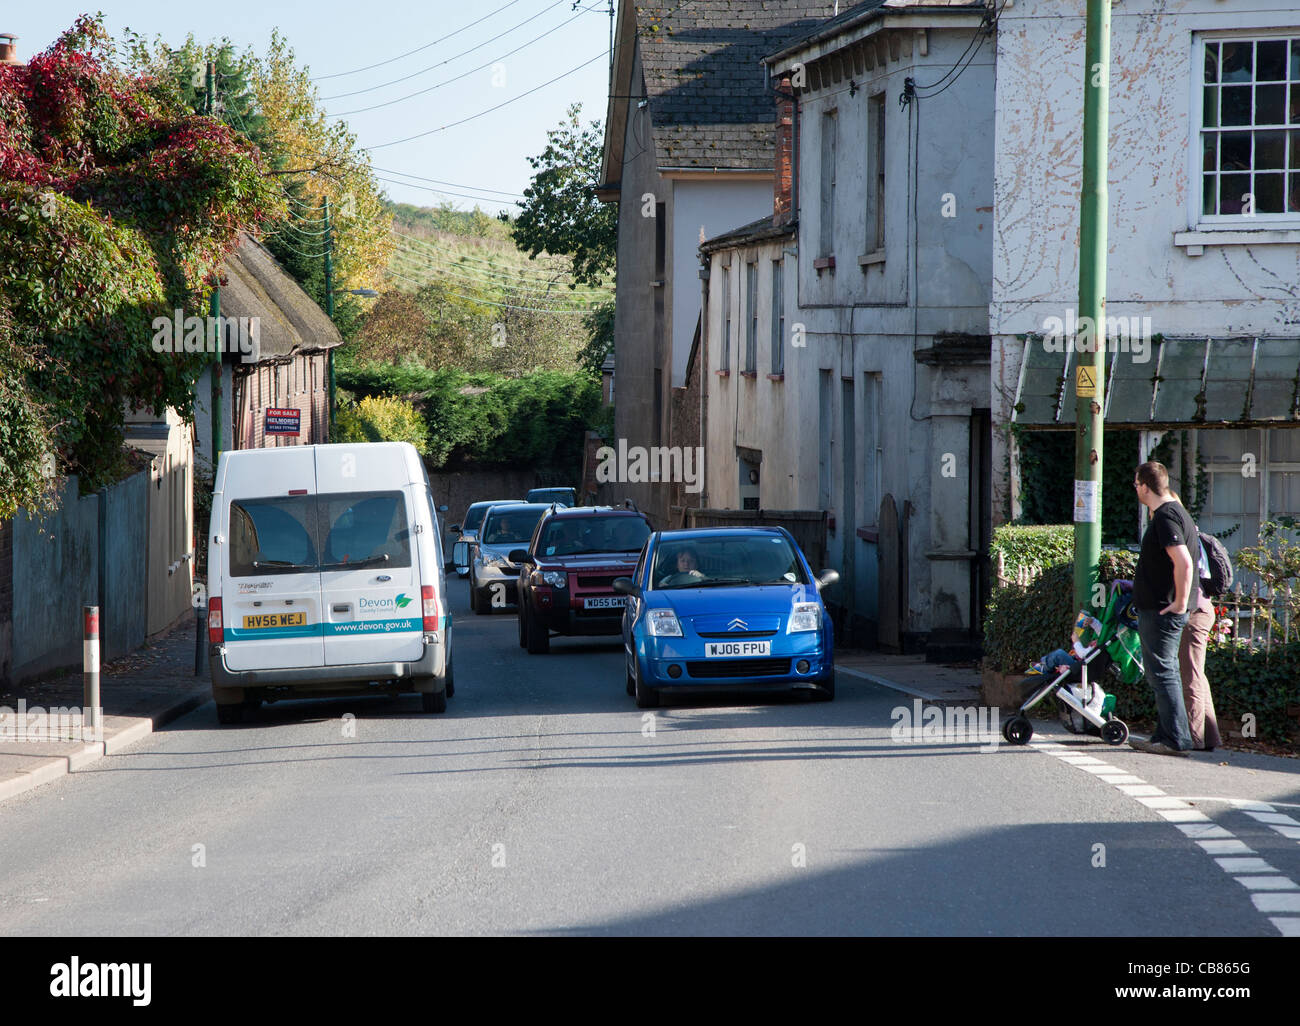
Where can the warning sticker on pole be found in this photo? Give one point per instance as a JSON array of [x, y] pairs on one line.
[[1085, 382], [1085, 502]]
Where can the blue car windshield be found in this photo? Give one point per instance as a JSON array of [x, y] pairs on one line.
[[726, 561]]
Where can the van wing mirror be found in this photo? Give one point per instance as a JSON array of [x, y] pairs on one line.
[[454, 527]]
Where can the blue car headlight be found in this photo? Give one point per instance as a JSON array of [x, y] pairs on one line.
[[806, 616], [663, 623]]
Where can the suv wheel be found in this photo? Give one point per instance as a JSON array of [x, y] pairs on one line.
[[523, 624], [537, 636]]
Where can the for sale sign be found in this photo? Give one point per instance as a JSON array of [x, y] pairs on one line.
[[281, 421]]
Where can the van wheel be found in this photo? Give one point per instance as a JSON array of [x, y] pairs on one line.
[[538, 637], [434, 701], [228, 714]]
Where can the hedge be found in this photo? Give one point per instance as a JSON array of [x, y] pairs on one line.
[[381, 419]]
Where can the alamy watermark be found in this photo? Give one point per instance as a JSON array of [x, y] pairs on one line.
[[932, 724], [659, 463], [64, 723], [1123, 335], [212, 335]]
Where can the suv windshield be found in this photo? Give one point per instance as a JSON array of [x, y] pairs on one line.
[[573, 535], [715, 562], [510, 527]]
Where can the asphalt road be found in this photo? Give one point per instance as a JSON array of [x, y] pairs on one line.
[[542, 802]]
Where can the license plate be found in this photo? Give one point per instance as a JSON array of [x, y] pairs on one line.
[[731, 649], [605, 602], [252, 623]]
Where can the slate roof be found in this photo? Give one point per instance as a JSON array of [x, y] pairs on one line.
[[756, 231], [860, 12], [710, 102]]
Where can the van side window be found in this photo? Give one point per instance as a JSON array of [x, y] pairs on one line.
[[272, 536]]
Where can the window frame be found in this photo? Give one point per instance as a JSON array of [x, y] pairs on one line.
[[1197, 220]]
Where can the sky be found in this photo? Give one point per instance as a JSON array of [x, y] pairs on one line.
[[485, 159]]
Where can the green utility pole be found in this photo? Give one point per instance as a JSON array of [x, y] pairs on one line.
[[1090, 367], [214, 310], [329, 300]]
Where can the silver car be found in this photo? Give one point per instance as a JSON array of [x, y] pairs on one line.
[[467, 530], [493, 579]]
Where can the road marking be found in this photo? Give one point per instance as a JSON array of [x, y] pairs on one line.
[[1289, 925], [1267, 883], [1202, 830], [1233, 847], [1123, 778], [1286, 902], [1182, 815], [1247, 865], [1272, 817], [1164, 802], [1140, 790]]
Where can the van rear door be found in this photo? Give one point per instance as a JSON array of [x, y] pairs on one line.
[[370, 580], [271, 590]]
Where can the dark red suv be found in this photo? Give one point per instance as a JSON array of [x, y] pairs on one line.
[[567, 576]]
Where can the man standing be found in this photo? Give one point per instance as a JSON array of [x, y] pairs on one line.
[[1164, 588]]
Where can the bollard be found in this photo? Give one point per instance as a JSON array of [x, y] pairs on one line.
[[90, 670]]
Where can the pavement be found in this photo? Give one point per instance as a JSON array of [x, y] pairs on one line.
[[139, 693]]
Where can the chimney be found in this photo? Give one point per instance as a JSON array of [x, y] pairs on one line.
[[783, 176], [8, 49]]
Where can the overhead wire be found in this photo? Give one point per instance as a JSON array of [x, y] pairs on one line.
[[418, 49], [486, 302], [456, 57]]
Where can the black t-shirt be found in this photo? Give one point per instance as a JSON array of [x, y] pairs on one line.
[[1153, 583]]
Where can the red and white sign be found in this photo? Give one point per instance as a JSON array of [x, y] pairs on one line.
[[280, 421]]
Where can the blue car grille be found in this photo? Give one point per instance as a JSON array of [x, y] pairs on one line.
[[736, 634], [739, 668]]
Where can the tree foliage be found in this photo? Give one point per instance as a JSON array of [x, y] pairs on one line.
[[117, 205], [560, 212]]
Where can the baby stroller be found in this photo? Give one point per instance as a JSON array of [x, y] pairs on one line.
[[1110, 643]]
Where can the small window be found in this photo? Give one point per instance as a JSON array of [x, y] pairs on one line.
[[751, 309], [829, 142], [778, 317], [272, 536], [725, 362]]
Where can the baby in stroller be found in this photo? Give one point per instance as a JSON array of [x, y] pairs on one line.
[[1072, 675]]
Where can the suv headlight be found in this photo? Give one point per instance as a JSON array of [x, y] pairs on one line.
[[664, 624], [555, 578], [806, 616], [487, 559]]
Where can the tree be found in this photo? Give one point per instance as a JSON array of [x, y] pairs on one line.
[[117, 206], [560, 213]]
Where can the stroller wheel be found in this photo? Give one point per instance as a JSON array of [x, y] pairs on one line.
[[1018, 730], [1114, 732]]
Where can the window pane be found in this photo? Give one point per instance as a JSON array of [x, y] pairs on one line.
[[1236, 105], [1222, 446], [1269, 191], [1295, 60], [1270, 105], [1227, 378], [1283, 494], [1210, 190], [1235, 151], [1284, 446], [1270, 61], [1276, 366], [1212, 62], [1295, 104], [1210, 152], [271, 536], [1270, 150], [1232, 189], [1225, 494], [1238, 62], [1181, 363], [365, 527], [1210, 111]]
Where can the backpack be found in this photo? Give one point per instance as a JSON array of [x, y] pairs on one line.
[[1220, 566]]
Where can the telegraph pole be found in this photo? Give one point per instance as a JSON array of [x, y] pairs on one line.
[[329, 300], [1090, 385], [214, 309]]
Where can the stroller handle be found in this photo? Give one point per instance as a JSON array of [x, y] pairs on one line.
[[1126, 587]]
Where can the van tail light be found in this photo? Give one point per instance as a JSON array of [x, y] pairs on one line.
[[216, 632], [429, 601]]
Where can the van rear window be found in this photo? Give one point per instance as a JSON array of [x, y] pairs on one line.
[[298, 534]]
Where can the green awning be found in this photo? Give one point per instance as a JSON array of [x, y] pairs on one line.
[[1180, 381]]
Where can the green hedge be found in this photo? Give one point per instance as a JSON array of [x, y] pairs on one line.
[[381, 419], [537, 421], [1024, 623]]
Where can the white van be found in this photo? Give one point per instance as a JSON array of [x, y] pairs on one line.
[[325, 577]]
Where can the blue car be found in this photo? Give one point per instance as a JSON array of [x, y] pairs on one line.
[[725, 609]]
